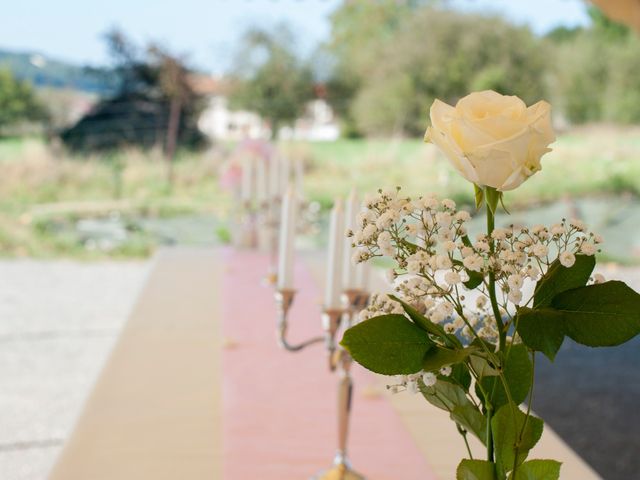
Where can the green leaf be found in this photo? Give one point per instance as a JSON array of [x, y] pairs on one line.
[[476, 470], [444, 395], [507, 425], [460, 375], [559, 279], [492, 197], [606, 314], [517, 371], [538, 470], [541, 329], [471, 419], [388, 344], [479, 195], [482, 366], [426, 324], [475, 278], [439, 357]]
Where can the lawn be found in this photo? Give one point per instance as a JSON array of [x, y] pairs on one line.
[[46, 195]]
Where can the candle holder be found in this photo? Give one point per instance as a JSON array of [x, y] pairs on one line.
[[339, 360]]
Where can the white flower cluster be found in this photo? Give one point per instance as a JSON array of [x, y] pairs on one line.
[[436, 260]]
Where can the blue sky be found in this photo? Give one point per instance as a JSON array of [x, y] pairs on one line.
[[208, 29]]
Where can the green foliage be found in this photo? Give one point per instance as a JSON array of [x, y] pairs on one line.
[[476, 470], [518, 375], [398, 77], [558, 279], [270, 78], [389, 344], [606, 314], [453, 399], [514, 434], [18, 102], [538, 470]]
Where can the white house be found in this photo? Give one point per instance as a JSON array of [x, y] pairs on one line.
[[219, 122]]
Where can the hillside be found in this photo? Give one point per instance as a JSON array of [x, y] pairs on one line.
[[43, 71]]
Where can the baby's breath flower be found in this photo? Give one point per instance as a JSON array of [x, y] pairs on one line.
[[463, 216], [588, 248], [473, 263], [558, 229], [429, 379], [598, 278], [445, 371], [452, 277], [499, 234], [567, 259], [449, 204], [540, 250]]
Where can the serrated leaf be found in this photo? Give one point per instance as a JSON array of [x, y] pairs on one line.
[[388, 344], [517, 371], [541, 329], [439, 357], [537, 470], [606, 314], [476, 470], [558, 279], [506, 426]]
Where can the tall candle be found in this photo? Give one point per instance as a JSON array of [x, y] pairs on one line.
[[363, 273], [287, 240], [274, 177], [285, 173], [333, 292], [349, 269], [262, 188], [246, 185], [299, 176]]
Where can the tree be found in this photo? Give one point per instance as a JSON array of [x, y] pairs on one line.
[[154, 105], [430, 52], [270, 78], [18, 102]]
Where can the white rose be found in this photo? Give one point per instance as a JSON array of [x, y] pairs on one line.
[[491, 139]]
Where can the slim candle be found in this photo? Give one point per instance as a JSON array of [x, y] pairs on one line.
[[274, 177], [246, 187], [363, 273], [333, 292], [285, 173], [262, 188], [299, 176], [349, 269], [287, 240]]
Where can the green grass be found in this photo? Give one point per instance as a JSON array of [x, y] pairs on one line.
[[44, 193]]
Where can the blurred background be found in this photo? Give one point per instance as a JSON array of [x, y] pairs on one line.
[[120, 123]]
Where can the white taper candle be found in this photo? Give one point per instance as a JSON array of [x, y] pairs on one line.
[[287, 240], [274, 177], [262, 188], [333, 292], [348, 268]]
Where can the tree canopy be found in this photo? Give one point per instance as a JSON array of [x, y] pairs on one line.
[[270, 78], [18, 102]]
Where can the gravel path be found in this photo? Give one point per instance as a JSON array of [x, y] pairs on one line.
[[58, 322]]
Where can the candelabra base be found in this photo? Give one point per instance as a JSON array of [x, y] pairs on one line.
[[338, 472]]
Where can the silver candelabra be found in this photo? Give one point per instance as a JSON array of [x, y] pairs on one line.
[[333, 321]]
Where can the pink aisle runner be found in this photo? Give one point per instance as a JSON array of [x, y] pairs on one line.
[[279, 407]]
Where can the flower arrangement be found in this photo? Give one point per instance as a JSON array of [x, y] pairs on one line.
[[469, 316]]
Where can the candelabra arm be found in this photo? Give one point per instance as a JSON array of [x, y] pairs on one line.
[[284, 300]]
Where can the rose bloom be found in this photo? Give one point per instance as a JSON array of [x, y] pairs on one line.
[[491, 139]]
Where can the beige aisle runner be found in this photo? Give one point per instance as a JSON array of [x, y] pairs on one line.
[[155, 410]]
